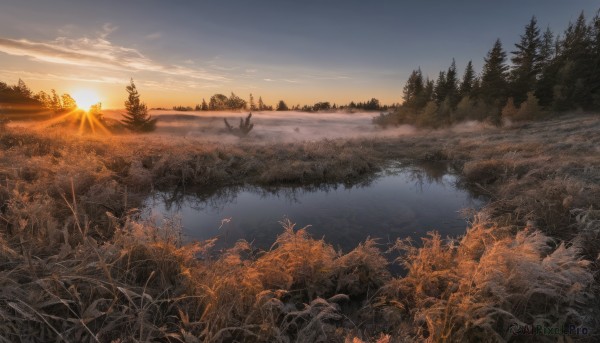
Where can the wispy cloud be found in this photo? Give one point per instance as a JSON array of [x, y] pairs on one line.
[[107, 29], [100, 53], [13, 74], [154, 36]]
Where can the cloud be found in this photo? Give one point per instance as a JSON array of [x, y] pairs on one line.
[[155, 35], [100, 53], [107, 29], [7, 74]]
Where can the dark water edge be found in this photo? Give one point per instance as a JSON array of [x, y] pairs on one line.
[[404, 200]]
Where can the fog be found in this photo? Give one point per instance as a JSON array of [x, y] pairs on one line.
[[270, 126]]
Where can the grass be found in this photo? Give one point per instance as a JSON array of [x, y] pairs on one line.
[[78, 264]]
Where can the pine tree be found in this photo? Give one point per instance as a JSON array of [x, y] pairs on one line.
[[493, 87], [452, 86], [204, 106], [466, 85], [594, 75], [23, 89], [428, 90], [439, 90], [575, 57], [261, 104], [526, 62], [548, 69], [137, 118], [413, 90]]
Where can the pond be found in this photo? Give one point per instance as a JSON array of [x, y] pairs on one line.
[[402, 201]]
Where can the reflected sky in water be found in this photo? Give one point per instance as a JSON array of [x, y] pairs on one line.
[[400, 202]]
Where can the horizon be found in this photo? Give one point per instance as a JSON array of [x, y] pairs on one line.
[[299, 53]]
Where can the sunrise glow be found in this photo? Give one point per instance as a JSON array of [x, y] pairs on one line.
[[85, 98]]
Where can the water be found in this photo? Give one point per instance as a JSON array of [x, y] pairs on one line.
[[400, 202]]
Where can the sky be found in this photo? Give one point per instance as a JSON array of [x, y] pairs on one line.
[[179, 52]]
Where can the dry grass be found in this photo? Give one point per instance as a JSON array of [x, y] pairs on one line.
[[77, 264]]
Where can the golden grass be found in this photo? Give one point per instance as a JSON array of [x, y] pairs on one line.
[[77, 264]]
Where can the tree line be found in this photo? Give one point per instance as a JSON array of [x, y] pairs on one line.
[[19, 99], [220, 102], [548, 73]]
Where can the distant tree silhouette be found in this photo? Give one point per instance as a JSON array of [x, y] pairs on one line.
[[96, 111], [261, 104], [235, 102], [204, 106], [218, 102], [137, 118], [281, 106], [55, 103], [322, 106], [68, 103], [252, 104], [23, 89]]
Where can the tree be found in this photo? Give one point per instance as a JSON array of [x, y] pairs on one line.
[[530, 109], [372, 105], [55, 103], [204, 106], [218, 102], [509, 111], [413, 90], [44, 99], [23, 89], [594, 75], [494, 87], [235, 102], [68, 103], [281, 106], [548, 69], [526, 62], [439, 90], [466, 85], [252, 104], [575, 57], [137, 118], [96, 111], [322, 106], [452, 86], [261, 104]]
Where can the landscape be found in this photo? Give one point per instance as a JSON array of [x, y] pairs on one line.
[[278, 172]]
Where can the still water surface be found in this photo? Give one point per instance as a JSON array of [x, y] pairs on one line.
[[399, 202]]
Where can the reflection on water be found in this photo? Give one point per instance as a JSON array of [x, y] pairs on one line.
[[401, 201]]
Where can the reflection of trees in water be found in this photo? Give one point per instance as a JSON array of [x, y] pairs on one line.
[[218, 198], [421, 172]]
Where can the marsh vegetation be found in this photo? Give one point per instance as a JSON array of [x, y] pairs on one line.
[[79, 263]]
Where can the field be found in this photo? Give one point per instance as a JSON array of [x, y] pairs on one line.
[[77, 263]]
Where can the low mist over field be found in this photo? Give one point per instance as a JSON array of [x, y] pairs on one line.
[[270, 126]]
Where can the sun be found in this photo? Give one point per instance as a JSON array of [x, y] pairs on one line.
[[85, 98]]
